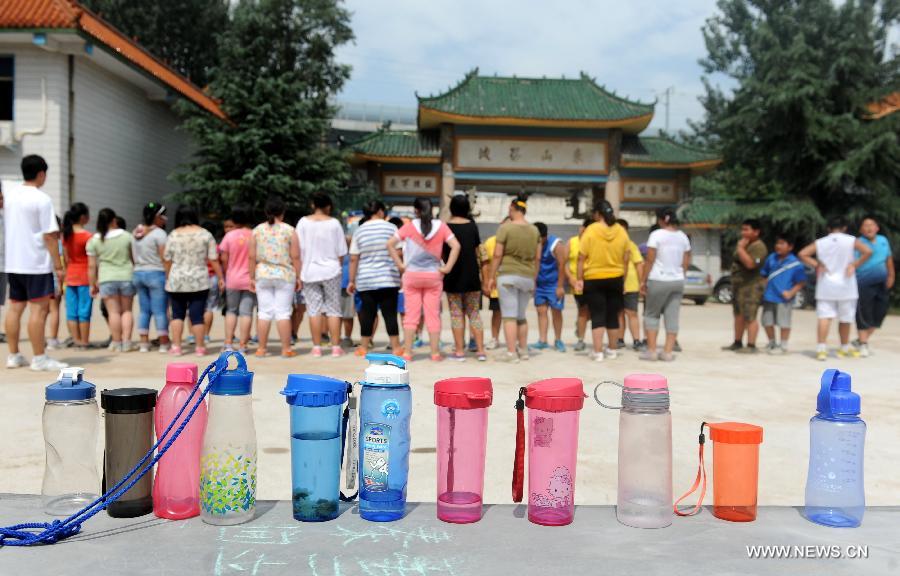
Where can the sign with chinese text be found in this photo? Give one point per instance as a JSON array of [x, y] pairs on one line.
[[530, 155], [410, 183], [659, 191]]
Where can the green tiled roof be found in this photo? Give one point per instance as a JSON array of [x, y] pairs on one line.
[[534, 98], [656, 150], [399, 144], [707, 212]]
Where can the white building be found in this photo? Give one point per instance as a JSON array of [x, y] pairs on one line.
[[93, 103]]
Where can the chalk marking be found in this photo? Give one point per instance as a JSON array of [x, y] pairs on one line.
[[379, 533]]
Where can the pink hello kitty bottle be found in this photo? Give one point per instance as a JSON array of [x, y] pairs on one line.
[[553, 410], [462, 421]]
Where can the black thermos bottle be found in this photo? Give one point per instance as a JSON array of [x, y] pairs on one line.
[[128, 413]]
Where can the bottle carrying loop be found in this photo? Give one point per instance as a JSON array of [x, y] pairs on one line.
[[518, 479], [349, 444], [34, 533], [699, 481], [600, 402]]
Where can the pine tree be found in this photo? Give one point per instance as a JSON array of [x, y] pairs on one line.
[[276, 73]]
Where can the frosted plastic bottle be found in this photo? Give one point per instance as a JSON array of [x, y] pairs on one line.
[[645, 453], [316, 441], [835, 494], [70, 421], [553, 409], [385, 408], [228, 458], [462, 420], [176, 489]]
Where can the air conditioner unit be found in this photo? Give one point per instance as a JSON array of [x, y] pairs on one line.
[[7, 136]]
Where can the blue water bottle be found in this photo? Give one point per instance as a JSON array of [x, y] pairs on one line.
[[835, 494], [316, 443], [385, 407]]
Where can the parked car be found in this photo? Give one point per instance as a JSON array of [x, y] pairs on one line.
[[697, 285], [805, 298]]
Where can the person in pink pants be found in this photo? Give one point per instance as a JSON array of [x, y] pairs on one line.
[[423, 273]]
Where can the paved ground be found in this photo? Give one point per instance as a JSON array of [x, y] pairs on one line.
[[778, 393]]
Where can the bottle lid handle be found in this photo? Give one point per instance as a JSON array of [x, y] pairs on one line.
[[224, 357], [71, 376], [389, 359], [823, 401], [598, 401]]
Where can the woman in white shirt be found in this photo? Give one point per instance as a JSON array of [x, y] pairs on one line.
[[668, 256], [322, 250]]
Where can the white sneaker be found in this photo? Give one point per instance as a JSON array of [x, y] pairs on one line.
[[507, 356], [114, 347], [47, 364], [16, 361], [597, 356], [127, 346], [53, 344], [864, 351], [163, 348], [611, 354], [492, 345], [144, 347]]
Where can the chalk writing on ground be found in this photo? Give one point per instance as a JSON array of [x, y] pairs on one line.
[[395, 565], [260, 534], [248, 562], [423, 535]]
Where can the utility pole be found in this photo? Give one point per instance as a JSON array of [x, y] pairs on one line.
[[668, 93]]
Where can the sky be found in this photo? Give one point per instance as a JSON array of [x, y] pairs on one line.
[[638, 48]]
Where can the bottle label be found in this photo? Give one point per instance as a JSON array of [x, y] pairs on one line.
[[376, 454], [227, 483]]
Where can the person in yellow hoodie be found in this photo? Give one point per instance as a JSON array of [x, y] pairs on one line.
[[602, 265], [572, 274]]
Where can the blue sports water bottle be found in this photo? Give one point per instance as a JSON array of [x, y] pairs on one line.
[[835, 494], [385, 407]]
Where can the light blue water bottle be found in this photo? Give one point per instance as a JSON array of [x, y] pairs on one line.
[[316, 442], [835, 494], [385, 407]]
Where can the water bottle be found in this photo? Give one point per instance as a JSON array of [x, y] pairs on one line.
[[228, 457], [645, 452], [70, 424], [128, 413], [385, 407], [462, 420], [176, 489], [835, 494], [316, 444]]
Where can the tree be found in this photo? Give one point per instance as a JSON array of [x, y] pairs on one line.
[[793, 131], [182, 33], [276, 73]]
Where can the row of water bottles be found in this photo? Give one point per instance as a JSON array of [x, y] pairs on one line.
[[211, 469]]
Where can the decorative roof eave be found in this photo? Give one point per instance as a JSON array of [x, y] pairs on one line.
[[699, 167], [359, 158], [432, 118]]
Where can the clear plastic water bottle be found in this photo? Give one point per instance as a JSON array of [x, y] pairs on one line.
[[385, 407], [835, 494], [71, 423]]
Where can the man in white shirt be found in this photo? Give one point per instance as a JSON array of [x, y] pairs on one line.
[[837, 294], [31, 237]]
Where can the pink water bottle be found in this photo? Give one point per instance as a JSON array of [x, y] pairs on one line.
[[462, 420], [553, 409], [176, 491]]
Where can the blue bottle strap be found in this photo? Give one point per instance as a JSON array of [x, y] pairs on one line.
[[351, 466]]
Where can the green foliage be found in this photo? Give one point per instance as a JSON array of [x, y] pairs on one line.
[[276, 73], [182, 33], [793, 132]]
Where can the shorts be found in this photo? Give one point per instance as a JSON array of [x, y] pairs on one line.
[[545, 297], [777, 314], [214, 298], [2, 288], [274, 297], [843, 310], [240, 302], [631, 301], [324, 298], [515, 292], [27, 287], [348, 306], [747, 299], [188, 304], [874, 302], [78, 303], [494, 304], [116, 288], [604, 297], [663, 300]]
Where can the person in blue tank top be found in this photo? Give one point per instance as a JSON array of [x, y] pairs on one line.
[[550, 292], [875, 279]]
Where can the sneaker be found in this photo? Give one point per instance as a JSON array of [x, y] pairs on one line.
[[164, 348], [337, 352], [144, 347], [539, 345], [472, 346], [316, 352], [648, 356], [457, 357], [677, 347], [864, 351], [747, 350], [638, 345], [191, 339], [114, 346], [492, 345], [848, 353], [199, 351], [127, 346], [53, 344], [437, 357], [733, 347], [176, 351], [611, 354], [666, 357], [507, 356], [482, 358], [346, 343], [560, 346], [776, 350], [16, 361], [524, 357], [822, 355], [579, 346], [620, 343], [772, 345], [228, 348], [361, 352], [418, 343], [597, 356], [45, 363]]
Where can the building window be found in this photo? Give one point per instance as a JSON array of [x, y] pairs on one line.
[[6, 88]]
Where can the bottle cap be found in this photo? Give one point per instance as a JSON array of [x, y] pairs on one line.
[[70, 386], [128, 400], [313, 391], [181, 373], [386, 370], [646, 384], [465, 392], [555, 395], [735, 433], [835, 395], [232, 382]]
